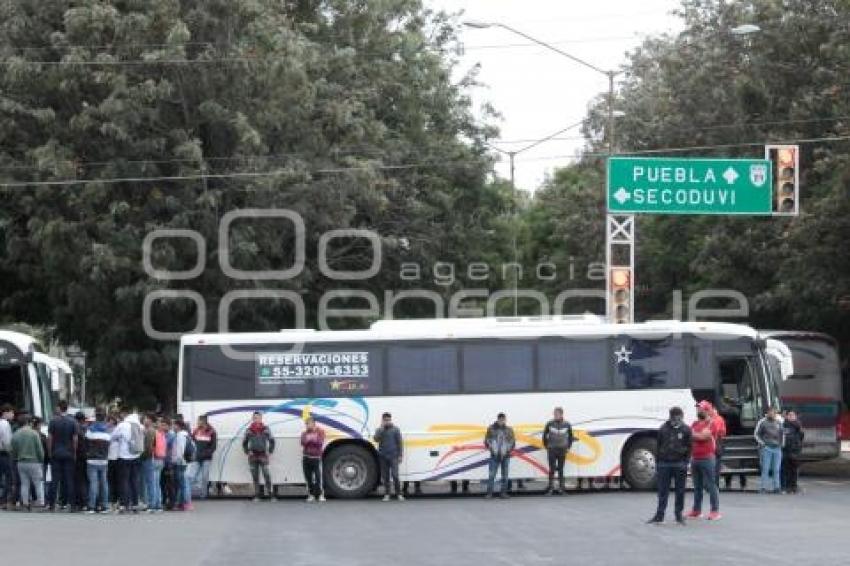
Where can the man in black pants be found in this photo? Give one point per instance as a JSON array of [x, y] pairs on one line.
[[674, 452], [390, 452], [791, 451], [557, 439]]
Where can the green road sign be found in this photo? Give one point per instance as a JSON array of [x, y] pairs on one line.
[[665, 185]]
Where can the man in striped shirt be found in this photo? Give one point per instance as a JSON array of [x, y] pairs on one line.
[[97, 441]]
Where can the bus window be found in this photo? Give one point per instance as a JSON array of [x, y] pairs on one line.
[[498, 368], [44, 390], [566, 365], [418, 370], [12, 386], [649, 364]]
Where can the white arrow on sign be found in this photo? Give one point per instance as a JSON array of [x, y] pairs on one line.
[[622, 195], [730, 175]]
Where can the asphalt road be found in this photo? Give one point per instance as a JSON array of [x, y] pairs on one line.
[[605, 528]]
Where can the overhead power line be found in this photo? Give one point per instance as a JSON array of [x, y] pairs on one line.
[[335, 170], [801, 141]]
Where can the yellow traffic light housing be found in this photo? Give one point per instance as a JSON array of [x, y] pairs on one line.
[[786, 189], [621, 295]]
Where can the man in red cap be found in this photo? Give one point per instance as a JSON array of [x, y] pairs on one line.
[[718, 429], [702, 464]]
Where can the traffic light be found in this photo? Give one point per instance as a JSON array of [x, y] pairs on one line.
[[621, 295], [786, 189]]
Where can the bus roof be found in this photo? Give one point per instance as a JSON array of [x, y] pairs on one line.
[[23, 342], [441, 329]]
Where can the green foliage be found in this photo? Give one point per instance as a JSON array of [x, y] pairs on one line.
[[350, 105]]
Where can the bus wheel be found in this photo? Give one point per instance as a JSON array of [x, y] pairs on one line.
[[639, 463], [350, 472]]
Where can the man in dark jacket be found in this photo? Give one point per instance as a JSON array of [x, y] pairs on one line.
[[673, 454], [259, 444], [557, 439], [791, 451], [500, 442], [390, 453], [81, 479], [206, 441]]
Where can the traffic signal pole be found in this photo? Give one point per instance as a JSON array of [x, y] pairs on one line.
[[619, 244]]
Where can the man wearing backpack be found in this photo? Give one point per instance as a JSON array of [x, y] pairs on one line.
[[97, 454], [258, 445], [557, 439], [131, 443], [674, 451], [182, 453]]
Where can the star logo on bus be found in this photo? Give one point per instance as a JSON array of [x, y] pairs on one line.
[[335, 385], [623, 355]]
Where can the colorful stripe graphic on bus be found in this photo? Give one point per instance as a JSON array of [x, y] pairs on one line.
[[348, 418]]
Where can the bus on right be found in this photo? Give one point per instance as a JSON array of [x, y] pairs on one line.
[[810, 384]]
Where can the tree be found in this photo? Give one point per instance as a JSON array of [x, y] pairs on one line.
[[341, 111]]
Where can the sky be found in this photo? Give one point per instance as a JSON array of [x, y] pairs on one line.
[[537, 91]]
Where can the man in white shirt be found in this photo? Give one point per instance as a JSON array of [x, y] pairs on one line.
[[128, 463]]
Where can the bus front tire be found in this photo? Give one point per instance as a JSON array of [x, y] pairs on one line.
[[639, 463], [350, 472]]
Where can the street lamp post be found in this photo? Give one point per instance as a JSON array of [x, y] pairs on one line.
[[610, 74], [610, 221]]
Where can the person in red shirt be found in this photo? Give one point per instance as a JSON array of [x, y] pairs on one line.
[[703, 465], [718, 429]]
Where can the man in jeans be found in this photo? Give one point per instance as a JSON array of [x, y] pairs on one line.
[[674, 451], [390, 453], [7, 413], [500, 441], [770, 437], [62, 442], [312, 443], [702, 465], [557, 439], [146, 462], [206, 441], [97, 442], [259, 444], [28, 452]]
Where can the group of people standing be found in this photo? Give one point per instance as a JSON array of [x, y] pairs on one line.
[[499, 440], [700, 446], [116, 463]]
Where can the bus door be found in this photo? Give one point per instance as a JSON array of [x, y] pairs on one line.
[[13, 381], [741, 395]]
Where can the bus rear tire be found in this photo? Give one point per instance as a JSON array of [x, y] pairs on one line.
[[350, 472], [639, 463]]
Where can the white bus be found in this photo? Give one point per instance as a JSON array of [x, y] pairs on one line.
[[444, 381], [28, 377], [811, 385]]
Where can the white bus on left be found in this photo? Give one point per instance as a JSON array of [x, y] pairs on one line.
[[29, 378]]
